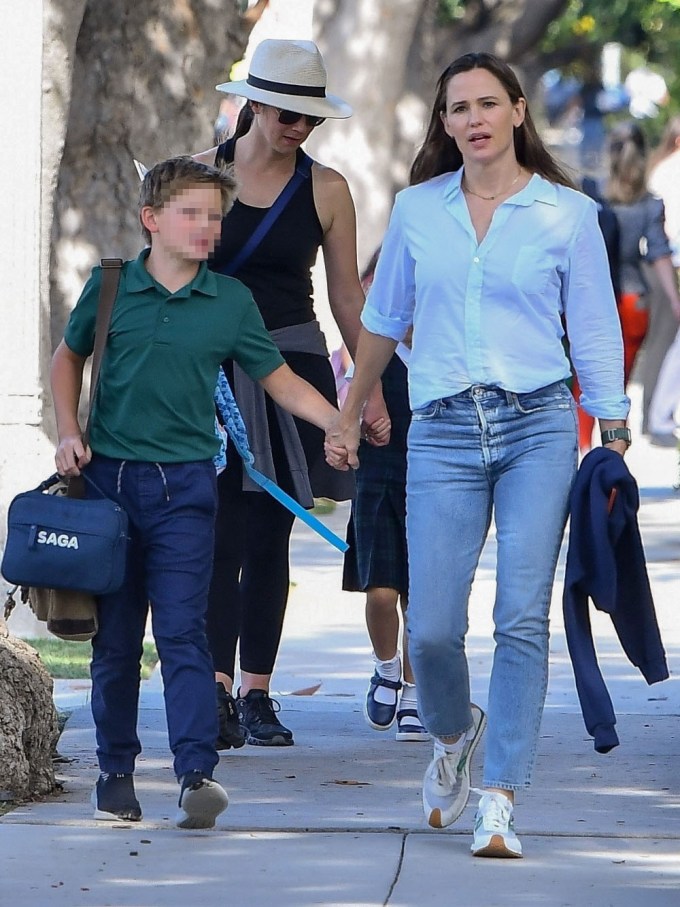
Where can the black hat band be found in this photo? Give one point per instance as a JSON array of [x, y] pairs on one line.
[[284, 88]]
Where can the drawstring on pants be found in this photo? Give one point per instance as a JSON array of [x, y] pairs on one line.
[[158, 467]]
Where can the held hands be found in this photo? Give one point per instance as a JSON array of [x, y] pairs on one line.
[[342, 443], [70, 455]]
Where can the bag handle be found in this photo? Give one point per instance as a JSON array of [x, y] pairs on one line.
[[108, 291]]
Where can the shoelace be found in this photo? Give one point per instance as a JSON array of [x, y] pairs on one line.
[[445, 770], [267, 709], [495, 813]]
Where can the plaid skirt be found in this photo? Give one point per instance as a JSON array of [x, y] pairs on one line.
[[376, 532]]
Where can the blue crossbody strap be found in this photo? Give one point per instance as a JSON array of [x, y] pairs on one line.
[[233, 422], [302, 172]]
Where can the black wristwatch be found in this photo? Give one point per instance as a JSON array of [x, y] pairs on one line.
[[617, 434]]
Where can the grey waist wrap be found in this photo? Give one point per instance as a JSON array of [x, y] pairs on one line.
[[299, 338]]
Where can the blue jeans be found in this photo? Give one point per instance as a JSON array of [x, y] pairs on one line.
[[171, 508], [480, 452]]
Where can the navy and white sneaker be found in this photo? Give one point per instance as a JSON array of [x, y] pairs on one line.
[[114, 798], [410, 728]]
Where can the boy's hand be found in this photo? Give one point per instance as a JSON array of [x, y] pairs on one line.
[[70, 455]]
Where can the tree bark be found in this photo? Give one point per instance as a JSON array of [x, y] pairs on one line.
[[138, 81], [384, 57], [28, 722]]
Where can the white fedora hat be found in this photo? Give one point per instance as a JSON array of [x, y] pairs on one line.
[[289, 75]]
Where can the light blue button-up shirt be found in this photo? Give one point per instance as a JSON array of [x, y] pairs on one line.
[[491, 312]]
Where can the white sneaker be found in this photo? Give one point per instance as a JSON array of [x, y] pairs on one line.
[[201, 800], [494, 834], [446, 785]]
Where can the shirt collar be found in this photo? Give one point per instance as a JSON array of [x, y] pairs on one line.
[[537, 189], [138, 279]]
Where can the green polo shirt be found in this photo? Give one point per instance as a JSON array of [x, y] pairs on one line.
[[158, 375]]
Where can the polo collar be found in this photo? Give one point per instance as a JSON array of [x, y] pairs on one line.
[[138, 279], [537, 189]]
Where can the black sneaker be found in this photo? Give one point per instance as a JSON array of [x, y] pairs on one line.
[[201, 800], [257, 714], [114, 798], [229, 733]]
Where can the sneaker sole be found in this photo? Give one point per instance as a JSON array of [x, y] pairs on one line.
[[497, 848], [233, 743], [275, 741], [435, 820], [102, 816], [412, 736], [201, 807]]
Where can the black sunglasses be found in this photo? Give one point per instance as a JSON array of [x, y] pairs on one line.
[[288, 117]]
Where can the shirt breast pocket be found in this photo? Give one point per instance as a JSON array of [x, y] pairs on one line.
[[532, 270]]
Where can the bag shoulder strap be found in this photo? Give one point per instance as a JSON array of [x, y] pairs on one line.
[[303, 170], [107, 296], [108, 291]]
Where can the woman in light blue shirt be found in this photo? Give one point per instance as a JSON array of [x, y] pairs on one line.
[[487, 254]]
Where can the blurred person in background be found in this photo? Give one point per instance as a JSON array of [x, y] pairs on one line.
[[664, 182]]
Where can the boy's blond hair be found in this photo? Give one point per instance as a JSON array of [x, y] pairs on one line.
[[167, 178]]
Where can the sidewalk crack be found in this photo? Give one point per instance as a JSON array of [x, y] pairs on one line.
[[400, 863]]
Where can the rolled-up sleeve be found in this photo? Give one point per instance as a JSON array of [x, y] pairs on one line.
[[655, 230], [391, 299], [593, 326]]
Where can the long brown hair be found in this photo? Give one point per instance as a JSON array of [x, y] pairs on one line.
[[627, 164], [440, 154]]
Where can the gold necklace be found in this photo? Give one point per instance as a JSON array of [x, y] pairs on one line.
[[489, 198]]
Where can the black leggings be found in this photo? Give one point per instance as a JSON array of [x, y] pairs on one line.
[[250, 581]]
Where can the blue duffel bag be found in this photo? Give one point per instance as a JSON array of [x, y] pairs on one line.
[[60, 542]]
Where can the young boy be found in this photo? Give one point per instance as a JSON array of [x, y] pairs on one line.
[[152, 443]]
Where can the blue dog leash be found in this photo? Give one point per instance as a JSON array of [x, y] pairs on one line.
[[233, 422]]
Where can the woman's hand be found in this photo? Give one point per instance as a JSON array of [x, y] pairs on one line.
[[342, 443]]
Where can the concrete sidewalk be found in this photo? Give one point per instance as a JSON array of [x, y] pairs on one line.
[[337, 820]]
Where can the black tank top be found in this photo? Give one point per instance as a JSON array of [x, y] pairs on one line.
[[278, 273]]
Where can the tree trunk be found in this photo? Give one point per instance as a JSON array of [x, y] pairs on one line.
[[28, 722], [137, 82], [365, 46], [384, 57]]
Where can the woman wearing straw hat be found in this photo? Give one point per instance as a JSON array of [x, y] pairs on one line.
[[307, 206]]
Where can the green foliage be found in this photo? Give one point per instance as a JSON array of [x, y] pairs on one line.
[[451, 10], [651, 27], [648, 30], [71, 660]]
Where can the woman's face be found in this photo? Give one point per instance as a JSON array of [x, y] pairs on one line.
[[283, 137], [480, 116]]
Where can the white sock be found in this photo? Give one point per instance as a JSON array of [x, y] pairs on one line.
[[390, 670], [450, 748], [408, 695]]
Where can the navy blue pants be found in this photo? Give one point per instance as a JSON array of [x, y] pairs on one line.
[[171, 508]]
